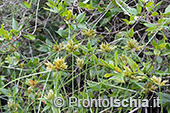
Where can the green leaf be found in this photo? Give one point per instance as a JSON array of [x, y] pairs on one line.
[[46, 107], [65, 3], [89, 6], [131, 32], [139, 8], [150, 25], [160, 21], [149, 4], [43, 49], [132, 64], [159, 59], [4, 34], [161, 41], [152, 28], [127, 22], [55, 10], [167, 53], [14, 24], [2, 30], [132, 17], [111, 64], [80, 17], [148, 53], [89, 45], [166, 14], [167, 10], [48, 42], [52, 2], [164, 36], [125, 34], [82, 26], [94, 85], [168, 108], [105, 63], [63, 12], [157, 6], [116, 59], [27, 4], [15, 89], [107, 75], [94, 58], [15, 32], [82, 5], [132, 11], [165, 98], [50, 5], [60, 6], [156, 52], [154, 13], [69, 14], [154, 44], [162, 46], [5, 91], [118, 77], [150, 8], [29, 36]]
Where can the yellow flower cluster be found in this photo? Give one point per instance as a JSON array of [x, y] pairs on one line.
[[80, 63], [89, 33], [139, 78], [31, 83], [132, 44], [13, 105], [71, 47], [30, 89], [106, 47], [50, 95], [59, 47], [149, 87], [157, 80], [59, 64]]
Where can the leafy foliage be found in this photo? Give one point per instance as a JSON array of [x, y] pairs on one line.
[[85, 49]]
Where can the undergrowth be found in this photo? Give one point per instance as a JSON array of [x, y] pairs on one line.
[[92, 49]]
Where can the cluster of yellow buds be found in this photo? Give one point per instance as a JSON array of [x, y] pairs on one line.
[[80, 63], [123, 59], [38, 94], [31, 83], [58, 48], [50, 66], [89, 33], [139, 78], [50, 95], [149, 87], [22, 65], [59, 64], [157, 80], [71, 47], [30, 89], [12, 104], [132, 44], [128, 72], [106, 47]]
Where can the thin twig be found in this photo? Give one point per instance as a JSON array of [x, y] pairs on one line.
[[134, 110], [36, 17], [122, 8]]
